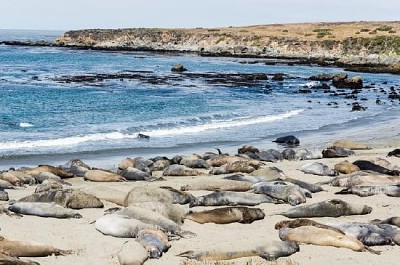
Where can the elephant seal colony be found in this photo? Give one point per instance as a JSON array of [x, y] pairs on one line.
[[287, 204]]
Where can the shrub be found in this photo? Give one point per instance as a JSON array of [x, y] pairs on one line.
[[364, 30], [384, 28]]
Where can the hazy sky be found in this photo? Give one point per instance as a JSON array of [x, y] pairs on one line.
[[77, 14]]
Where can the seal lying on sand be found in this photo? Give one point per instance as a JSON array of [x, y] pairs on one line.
[[352, 145], [322, 237], [132, 253], [391, 221], [227, 215], [19, 248], [178, 196], [304, 222], [237, 166], [328, 208], [364, 178], [97, 175], [333, 152], [281, 190], [76, 167], [43, 209], [46, 168], [154, 241], [395, 152], [179, 171], [269, 251], [73, 199], [364, 191], [225, 198], [7, 260], [318, 169], [345, 167], [217, 185], [367, 165]]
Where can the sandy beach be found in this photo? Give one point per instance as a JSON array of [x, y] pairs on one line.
[[92, 247]]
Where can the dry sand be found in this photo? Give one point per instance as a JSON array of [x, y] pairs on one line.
[[92, 247]]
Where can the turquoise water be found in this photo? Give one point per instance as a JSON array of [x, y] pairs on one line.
[[41, 116]]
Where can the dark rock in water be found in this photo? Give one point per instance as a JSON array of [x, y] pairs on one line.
[[395, 152], [140, 135], [357, 107], [341, 81], [278, 77], [322, 77], [333, 152], [304, 91], [178, 68], [287, 140]]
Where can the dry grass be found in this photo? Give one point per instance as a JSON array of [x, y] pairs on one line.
[[282, 261]]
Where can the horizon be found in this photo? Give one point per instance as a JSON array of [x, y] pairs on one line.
[[101, 14]]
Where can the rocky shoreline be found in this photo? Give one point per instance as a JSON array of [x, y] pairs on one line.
[[355, 46]]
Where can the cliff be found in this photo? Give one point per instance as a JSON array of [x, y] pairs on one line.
[[361, 44]]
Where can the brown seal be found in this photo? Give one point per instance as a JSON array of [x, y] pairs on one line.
[[345, 167], [303, 222], [7, 260], [227, 215], [97, 175]]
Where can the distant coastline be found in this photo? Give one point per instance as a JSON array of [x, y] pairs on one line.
[[356, 46]]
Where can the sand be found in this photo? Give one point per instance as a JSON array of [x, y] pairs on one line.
[[92, 247]]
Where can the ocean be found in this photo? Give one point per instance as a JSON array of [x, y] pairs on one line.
[[58, 104]]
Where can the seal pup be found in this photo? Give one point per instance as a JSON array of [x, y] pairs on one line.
[[43, 209], [154, 241], [270, 251], [364, 191], [395, 152], [20, 248], [231, 198], [227, 215], [367, 165], [73, 199], [132, 253], [345, 167], [391, 221], [328, 208], [319, 169], [120, 225], [322, 237], [280, 190]]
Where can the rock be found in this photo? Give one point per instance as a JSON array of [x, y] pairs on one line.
[[341, 81], [278, 77], [178, 68], [322, 77], [357, 107]]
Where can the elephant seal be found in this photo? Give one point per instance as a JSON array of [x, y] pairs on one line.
[[328, 208], [322, 237], [76, 167], [395, 152], [231, 198], [367, 165], [46, 168], [318, 169], [227, 215], [217, 185], [140, 163], [48, 185], [10, 177], [148, 216], [221, 160], [19, 248], [43, 176], [194, 161], [237, 166], [369, 234], [267, 250], [270, 173], [73, 199], [348, 144], [97, 175], [304, 222], [280, 190], [345, 167], [120, 225], [179, 171], [364, 191], [5, 184], [364, 178], [179, 196], [132, 253], [3, 195], [305, 185], [43, 209], [247, 178], [334, 152], [391, 221], [131, 173], [7, 260], [248, 148], [106, 193], [287, 140], [289, 154], [154, 241]]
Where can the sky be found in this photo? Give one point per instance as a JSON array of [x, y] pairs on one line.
[[81, 14]]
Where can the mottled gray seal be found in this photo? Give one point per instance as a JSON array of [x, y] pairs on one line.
[[333, 152], [67, 198], [43, 209], [322, 237], [227, 215], [267, 250], [391, 221], [364, 191], [179, 196], [132, 253], [48, 185], [19, 248], [76, 167], [7, 260], [328, 208], [281, 190], [367, 165], [220, 160], [217, 185], [97, 175], [304, 222], [237, 166], [231, 198], [179, 171], [317, 168], [364, 178], [194, 161], [131, 173], [289, 154], [270, 173], [154, 241]]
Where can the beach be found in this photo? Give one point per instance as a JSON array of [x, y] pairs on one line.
[[92, 247]]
